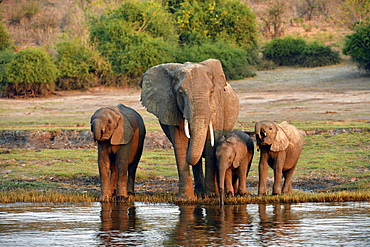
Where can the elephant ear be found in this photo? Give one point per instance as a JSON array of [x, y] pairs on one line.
[[215, 65], [157, 93], [281, 141], [123, 133]]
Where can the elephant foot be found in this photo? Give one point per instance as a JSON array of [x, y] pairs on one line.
[[106, 198], [229, 194], [121, 198], [182, 197], [199, 190]]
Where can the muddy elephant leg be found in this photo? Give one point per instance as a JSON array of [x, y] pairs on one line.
[[287, 187], [199, 187], [278, 174], [262, 173]]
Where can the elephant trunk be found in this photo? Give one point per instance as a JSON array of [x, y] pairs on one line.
[[199, 130], [96, 128], [258, 128], [221, 184]]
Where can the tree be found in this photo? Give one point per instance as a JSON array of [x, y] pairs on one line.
[[356, 11], [4, 37], [357, 45], [231, 21], [135, 37]]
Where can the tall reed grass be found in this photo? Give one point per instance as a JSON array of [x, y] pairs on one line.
[[54, 196]]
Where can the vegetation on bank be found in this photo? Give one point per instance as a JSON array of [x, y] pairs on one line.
[[113, 44], [55, 196]]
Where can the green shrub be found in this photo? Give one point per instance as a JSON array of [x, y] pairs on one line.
[[316, 55], [4, 37], [135, 37], [80, 66], [234, 60], [296, 52], [284, 51], [357, 45], [31, 72], [5, 58]]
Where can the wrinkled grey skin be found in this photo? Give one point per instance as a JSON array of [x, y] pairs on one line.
[[234, 154], [119, 132], [280, 146], [199, 93]]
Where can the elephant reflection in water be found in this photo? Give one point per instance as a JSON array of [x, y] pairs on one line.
[[209, 225], [115, 219], [279, 224]]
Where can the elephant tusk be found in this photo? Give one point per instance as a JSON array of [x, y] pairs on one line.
[[186, 128], [212, 134]]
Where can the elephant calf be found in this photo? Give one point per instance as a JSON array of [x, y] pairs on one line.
[[120, 133], [280, 146], [234, 154]]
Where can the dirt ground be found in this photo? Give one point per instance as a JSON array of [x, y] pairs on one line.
[[331, 93]]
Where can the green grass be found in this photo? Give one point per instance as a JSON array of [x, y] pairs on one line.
[[342, 157]]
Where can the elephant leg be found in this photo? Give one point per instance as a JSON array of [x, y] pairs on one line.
[[235, 182], [113, 178], [229, 188], [180, 144], [262, 173], [210, 172], [242, 175], [132, 167], [278, 174], [199, 187], [287, 187], [122, 166], [104, 173]]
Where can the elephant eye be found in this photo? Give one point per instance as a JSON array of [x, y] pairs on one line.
[[109, 121]]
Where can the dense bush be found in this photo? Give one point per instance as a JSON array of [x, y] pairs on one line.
[[315, 55], [31, 72], [357, 45], [139, 35], [135, 36], [80, 66], [296, 52], [4, 37], [5, 58], [234, 60]]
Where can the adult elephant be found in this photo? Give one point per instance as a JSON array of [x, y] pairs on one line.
[[120, 133], [195, 107]]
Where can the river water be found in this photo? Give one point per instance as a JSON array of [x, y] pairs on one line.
[[139, 224]]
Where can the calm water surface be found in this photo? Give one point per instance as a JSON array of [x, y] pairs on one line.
[[306, 224]]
